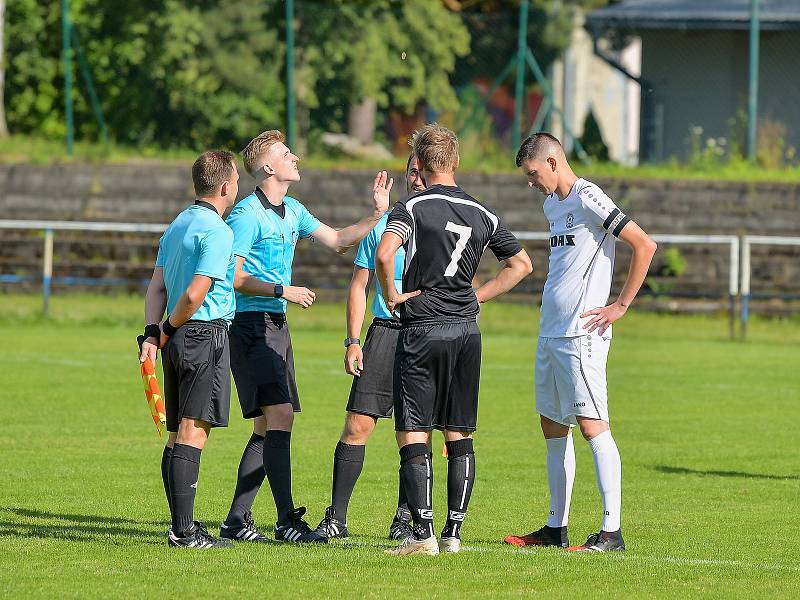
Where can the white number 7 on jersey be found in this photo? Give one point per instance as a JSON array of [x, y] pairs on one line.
[[463, 232]]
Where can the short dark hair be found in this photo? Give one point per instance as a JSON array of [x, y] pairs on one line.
[[211, 170], [533, 146]]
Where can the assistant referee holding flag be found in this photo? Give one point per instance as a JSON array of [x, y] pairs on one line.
[[193, 281]]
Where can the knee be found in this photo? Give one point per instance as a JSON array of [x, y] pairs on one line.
[[192, 432], [592, 427], [357, 428], [279, 416], [260, 425]]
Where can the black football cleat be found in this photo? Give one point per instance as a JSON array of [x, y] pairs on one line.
[[401, 526], [331, 527], [546, 536], [244, 532], [297, 531], [197, 537], [604, 541]]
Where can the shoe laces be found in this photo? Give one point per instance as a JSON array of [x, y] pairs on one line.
[[297, 522], [593, 539], [250, 524]]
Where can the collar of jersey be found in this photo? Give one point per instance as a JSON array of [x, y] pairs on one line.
[[262, 197], [208, 205]]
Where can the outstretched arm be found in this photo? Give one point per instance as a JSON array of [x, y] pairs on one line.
[[643, 250], [342, 239], [516, 268]]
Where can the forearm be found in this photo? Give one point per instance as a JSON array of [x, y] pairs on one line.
[[155, 303], [251, 286], [356, 308], [506, 279], [351, 235], [184, 310], [384, 271], [640, 264]]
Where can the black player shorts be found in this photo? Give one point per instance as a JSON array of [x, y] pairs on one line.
[[436, 376], [262, 362], [197, 374], [371, 393]]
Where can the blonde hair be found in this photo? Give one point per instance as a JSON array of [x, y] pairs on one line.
[[436, 148], [258, 147]]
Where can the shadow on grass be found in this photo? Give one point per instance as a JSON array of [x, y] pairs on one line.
[[685, 471], [81, 527]]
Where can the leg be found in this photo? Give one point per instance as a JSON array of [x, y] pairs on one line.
[[348, 460], [184, 471], [277, 456], [250, 476], [416, 472], [166, 457], [560, 470], [460, 481], [608, 467]]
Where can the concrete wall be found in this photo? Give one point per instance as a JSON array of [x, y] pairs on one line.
[[153, 194]]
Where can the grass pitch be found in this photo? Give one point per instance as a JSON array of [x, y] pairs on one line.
[[711, 479]]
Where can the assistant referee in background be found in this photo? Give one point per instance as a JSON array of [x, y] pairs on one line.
[[193, 282]]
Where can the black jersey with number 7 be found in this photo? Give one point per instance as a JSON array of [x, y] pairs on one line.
[[445, 232]]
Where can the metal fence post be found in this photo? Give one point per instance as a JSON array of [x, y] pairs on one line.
[[47, 269], [290, 116], [66, 50], [752, 99], [519, 92]]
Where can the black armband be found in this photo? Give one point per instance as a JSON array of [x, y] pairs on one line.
[[152, 330], [168, 328]]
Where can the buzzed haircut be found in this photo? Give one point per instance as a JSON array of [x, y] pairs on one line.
[[436, 148], [258, 147], [211, 170], [536, 146]]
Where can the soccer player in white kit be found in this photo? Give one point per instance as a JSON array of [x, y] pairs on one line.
[[575, 335]]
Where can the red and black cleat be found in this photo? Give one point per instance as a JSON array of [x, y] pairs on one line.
[[546, 536]]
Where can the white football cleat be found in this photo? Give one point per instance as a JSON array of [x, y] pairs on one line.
[[450, 544], [412, 545]]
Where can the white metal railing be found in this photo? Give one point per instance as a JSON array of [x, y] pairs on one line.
[[50, 226], [739, 251], [747, 242]]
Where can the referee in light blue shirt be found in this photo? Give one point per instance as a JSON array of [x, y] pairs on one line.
[[372, 370], [267, 226], [193, 281]]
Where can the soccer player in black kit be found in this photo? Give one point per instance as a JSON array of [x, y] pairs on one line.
[[444, 232]]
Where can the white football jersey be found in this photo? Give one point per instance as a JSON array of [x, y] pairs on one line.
[[583, 230]]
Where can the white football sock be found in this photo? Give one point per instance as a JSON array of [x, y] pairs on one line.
[[609, 478], [560, 477]]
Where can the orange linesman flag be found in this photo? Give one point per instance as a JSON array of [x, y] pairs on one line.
[[152, 392]]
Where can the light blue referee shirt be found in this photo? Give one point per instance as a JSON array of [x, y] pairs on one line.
[[267, 242], [366, 259], [198, 242]]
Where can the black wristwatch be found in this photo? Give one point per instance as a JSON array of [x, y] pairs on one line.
[[278, 290], [350, 341]]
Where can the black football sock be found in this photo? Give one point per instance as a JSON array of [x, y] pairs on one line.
[[249, 478], [184, 471], [416, 471], [460, 479], [278, 467], [165, 458], [348, 460], [402, 502]]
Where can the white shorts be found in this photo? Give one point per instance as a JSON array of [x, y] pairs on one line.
[[571, 378]]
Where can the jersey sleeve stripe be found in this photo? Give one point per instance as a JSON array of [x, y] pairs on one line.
[[618, 228], [610, 218], [399, 228]]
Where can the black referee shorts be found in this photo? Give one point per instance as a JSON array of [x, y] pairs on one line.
[[262, 362], [371, 393], [437, 375], [197, 374]]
